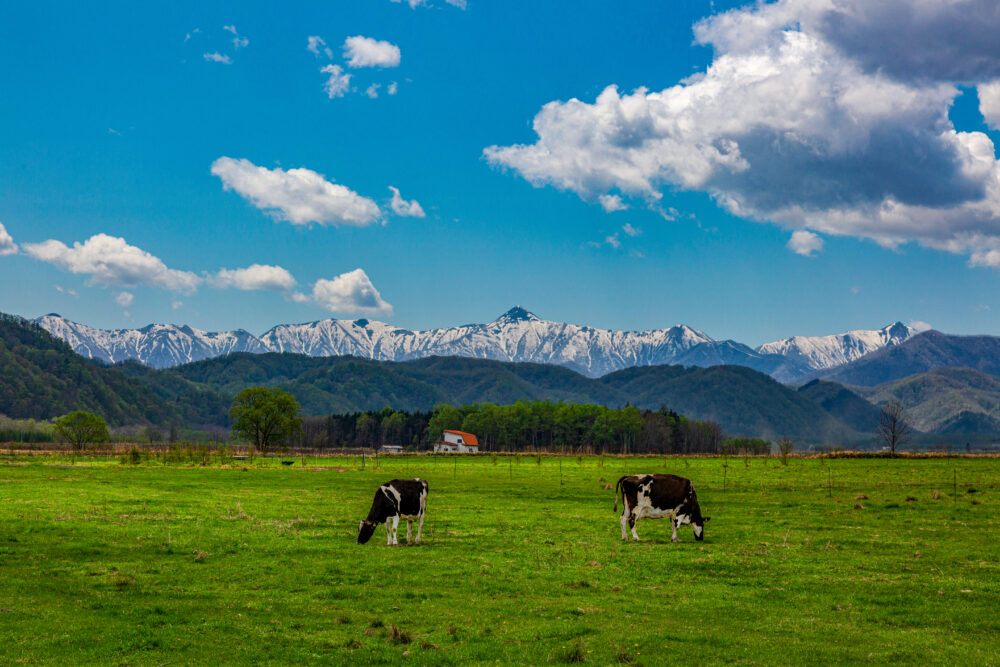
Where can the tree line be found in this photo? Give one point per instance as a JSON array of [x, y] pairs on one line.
[[521, 426]]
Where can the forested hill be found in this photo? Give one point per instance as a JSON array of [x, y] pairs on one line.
[[741, 400], [42, 377]]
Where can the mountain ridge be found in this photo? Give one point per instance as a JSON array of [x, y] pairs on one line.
[[517, 335]]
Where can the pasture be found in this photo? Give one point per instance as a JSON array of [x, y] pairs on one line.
[[844, 561]]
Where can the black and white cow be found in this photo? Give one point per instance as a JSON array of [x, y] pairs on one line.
[[400, 498], [658, 496]]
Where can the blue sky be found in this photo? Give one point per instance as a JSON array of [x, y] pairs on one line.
[[114, 122]]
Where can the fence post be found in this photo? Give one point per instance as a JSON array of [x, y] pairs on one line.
[[830, 487]]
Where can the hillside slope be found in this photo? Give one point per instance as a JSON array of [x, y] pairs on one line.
[[744, 401], [43, 378], [946, 400], [920, 354]]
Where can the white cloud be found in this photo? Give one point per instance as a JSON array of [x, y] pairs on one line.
[[989, 103], [124, 299], [7, 245], [299, 196], [314, 44], [920, 326], [400, 206], [805, 243], [338, 83], [64, 290], [393, 87], [349, 294], [612, 203], [799, 121], [372, 90], [217, 58], [110, 261], [230, 28], [255, 277], [240, 42], [298, 297], [630, 230], [989, 258], [176, 304], [461, 4], [367, 52], [613, 240]]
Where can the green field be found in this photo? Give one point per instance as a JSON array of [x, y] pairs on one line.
[[522, 562]]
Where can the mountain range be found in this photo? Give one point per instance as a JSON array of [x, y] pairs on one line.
[[44, 377], [517, 335]]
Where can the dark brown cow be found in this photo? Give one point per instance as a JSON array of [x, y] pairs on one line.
[[399, 498], [658, 496]]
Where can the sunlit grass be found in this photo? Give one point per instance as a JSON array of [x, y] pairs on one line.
[[522, 562]]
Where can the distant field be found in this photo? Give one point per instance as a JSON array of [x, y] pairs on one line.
[[521, 563]]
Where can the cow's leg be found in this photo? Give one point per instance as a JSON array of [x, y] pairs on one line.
[[388, 531], [395, 529], [631, 523], [625, 515], [409, 524], [674, 521], [420, 526]]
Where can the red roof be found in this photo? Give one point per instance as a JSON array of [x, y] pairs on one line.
[[467, 438]]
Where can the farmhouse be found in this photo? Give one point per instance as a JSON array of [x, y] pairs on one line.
[[457, 441]]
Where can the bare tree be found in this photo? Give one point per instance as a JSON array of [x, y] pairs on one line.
[[893, 428]]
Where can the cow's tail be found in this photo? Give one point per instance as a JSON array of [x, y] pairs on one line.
[[617, 486]]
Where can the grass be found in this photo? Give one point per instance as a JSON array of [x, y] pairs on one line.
[[522, 562]]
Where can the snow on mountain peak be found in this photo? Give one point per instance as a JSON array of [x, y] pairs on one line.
[[517, 335]]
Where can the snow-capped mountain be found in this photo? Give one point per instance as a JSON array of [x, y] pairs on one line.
[[822, 352], [157, 345], [517, 335]]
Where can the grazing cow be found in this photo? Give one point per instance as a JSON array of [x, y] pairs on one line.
[[658, 496], [400, 498]]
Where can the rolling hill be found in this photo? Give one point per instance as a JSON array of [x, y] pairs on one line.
[[946, 400], [43, 378]]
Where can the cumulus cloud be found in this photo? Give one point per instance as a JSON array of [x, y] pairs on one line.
[[110, 261], [613, 241], [300, 196], [805, 243], [372, 90], [800, 122], [612, 203], [315, 43], [240, 42], [124, 299], [461, 4], [630, 230], [367, 52], [989, 103], [920, 325], [64, 290], [217, 57], [393, 87], [351, 293], [255, 277], [338, 83], [7, 245], [400, 206]]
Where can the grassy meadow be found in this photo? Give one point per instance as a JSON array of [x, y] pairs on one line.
[[822, 560]]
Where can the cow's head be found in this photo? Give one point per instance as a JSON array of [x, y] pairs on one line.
[[699, 527], [365, 530]]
